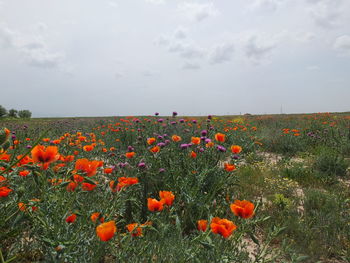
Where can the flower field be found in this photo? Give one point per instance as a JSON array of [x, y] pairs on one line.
[[270, 188]]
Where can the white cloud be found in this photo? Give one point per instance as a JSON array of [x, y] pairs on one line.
[[156, 2], [113, 4], [258, 48], [7, 37], [150, 73], [180, 33], [342, 44], [266, 5], [187, 50], [33, 50], [198, 12], [191, 66], [326, 13], [221, 53]]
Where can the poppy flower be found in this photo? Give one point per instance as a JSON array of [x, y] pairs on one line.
[[89, 167], [88, 148], [123, 182], [196, 140], [150, 141], [106, 231], [229, 167], [5, 191], [22, 206], [71, 186], [176, 138], [167, 197], [45, 156], [236, 149], [130, 155], [154, 205], [5, 157], [223, 227], [202, 225], [220, 137], [108, 170], [24, 173], [70, 219], [95, 216], [134, 229], [88, 186], [155, 149], [244, 209]]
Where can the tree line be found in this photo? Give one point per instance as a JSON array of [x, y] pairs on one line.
[[12, 113]]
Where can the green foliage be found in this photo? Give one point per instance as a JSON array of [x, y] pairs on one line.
[[24, 114], [330, 163], [3, 111], [13, 113]]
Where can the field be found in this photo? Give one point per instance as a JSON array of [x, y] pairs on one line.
[[268, 188]]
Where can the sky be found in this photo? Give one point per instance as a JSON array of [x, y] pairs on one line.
[[135, 57]]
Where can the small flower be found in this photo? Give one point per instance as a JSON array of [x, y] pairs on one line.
[[70, 219], [236, 149], [154, 205], [223, 227], [106, 231], [220, 137], [244, 209], [202, 225]]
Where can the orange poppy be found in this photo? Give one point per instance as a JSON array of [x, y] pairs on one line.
[[154, 205], [202, 225], [236, 149], [88, 186], [89, 167], [193, 154], [130, 155], [229, 167], [196, 140], [244, 209], [150, 141], [106, 231], [155, 149], [71, 186], [220, 137], [95, 216], [45, 156], [22, 206], [222, 227], [88, 148], [176, 138], [167, 197], [134, 229], [24, 173], [123, 182], [108, 170]]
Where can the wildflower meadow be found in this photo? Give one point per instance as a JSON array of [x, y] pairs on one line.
[[265, 188]]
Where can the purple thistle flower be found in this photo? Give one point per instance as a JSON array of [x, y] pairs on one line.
[[204, 133], [221, 148]]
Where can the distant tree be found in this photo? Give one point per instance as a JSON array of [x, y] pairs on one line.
[[3, 111], [13, 113], [25, 114]]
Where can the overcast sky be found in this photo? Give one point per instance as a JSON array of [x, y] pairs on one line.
[[196, 57]]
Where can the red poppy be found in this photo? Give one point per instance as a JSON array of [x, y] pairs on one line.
[[222, 227], [236, 149], [196, 140], [155, 149], [167, 197], [202, 225], [150, 141], [134, 229], [176, 138], [5, 191], [70, 219], [88, 186], [24, 173], [229, 167], [244, 209], [89, 167], [130, 155], [45, 156], [154, 205], [220, 137]]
